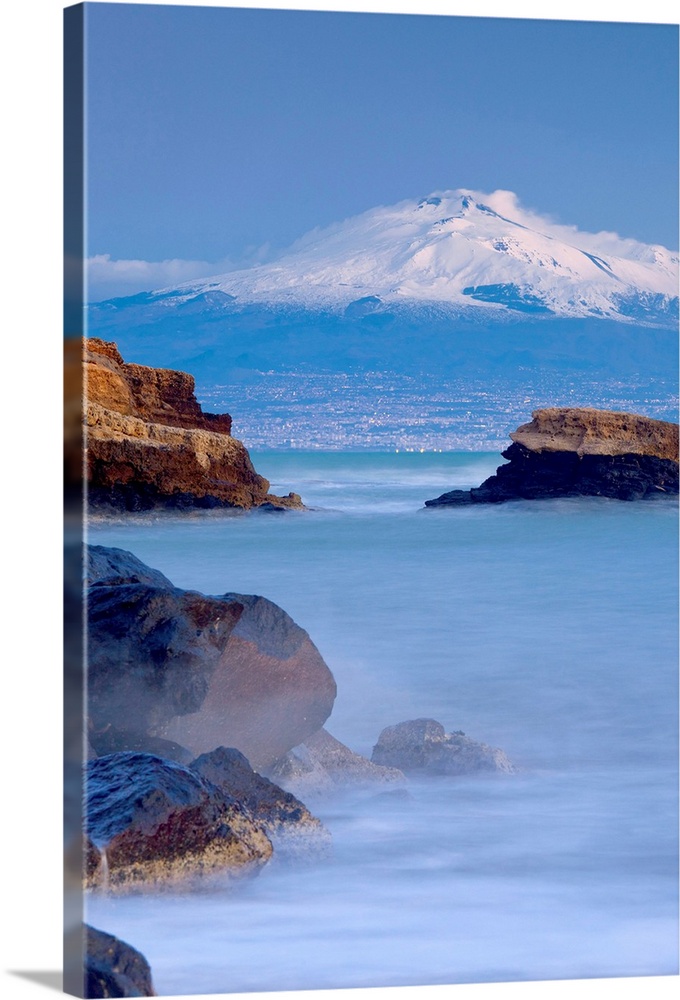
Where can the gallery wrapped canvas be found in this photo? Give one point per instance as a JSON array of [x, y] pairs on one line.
[[371, 482]]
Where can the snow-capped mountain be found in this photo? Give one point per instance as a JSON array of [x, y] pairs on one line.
[[456, 250]]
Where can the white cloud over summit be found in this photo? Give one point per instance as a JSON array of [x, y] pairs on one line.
[[508, 205]]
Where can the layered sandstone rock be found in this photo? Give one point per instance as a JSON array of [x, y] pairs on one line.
[[571, 451], [170, 673], [149, 443], [587, 431]]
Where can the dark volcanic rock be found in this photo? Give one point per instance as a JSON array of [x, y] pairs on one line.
[[149, 443], [270, 690], [581, 452], [114, 968], [177, 674], [422, 745], [287, 821], [155, 821]]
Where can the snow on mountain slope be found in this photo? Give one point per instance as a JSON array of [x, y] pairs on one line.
[[458, 250]]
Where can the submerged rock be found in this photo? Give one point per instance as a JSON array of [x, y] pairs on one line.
[[157, 822], [423, 745], [323, 764], [170, 673], [149, 443], [114, 968], [288, 823], [572, 451]]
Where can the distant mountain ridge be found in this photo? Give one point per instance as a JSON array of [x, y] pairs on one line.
[[454, 252]]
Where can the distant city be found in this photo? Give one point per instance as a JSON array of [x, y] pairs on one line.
[[380, 411]]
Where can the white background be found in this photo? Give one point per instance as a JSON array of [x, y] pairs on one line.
[[30, 460]]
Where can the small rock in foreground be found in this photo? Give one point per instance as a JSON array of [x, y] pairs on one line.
[[114, 968], [288, 823]]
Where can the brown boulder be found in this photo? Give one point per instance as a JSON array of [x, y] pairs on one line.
[[151, 654], [150, 444], [177, 673], [270, 690]]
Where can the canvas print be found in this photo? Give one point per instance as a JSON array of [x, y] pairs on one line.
[[371, 549]]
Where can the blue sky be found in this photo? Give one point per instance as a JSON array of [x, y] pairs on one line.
[[218, 136]]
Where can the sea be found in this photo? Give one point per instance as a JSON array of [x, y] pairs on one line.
[[546, 628]]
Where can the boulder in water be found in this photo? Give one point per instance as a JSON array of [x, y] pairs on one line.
[[423, 746], [170, 673], [151, 653], [288, 823], [323, 764], [157, 822], [270, 689]]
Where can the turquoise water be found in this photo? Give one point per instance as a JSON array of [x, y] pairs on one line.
[[546, 628]]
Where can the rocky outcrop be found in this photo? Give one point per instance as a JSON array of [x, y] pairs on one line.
[[177, 673], [323, 764], [287, 822], [157, 822], [155, 395], [149, 443], [269, 691], [423, 746], [566, 452], [114, 968]]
